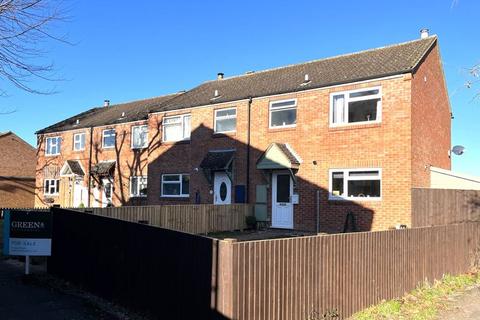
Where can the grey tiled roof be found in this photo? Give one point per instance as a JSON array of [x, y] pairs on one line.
[[217, 160], [288, 153], [103, 168], [364, 65], [133, 111], [75, 167], [374, 63]]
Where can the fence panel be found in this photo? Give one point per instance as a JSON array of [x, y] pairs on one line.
[[433, 207], [302, 277], [162, 272], [196, 219]]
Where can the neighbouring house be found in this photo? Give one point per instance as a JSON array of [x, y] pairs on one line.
[[447, 179], [17, 172], [329, 145]]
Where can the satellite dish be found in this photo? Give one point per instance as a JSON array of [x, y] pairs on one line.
[[458, 150]]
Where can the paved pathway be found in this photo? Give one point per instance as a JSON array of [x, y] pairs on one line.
[[465, 306], [20, 300]]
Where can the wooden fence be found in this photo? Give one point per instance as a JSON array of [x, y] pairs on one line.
[[196, 219], [433, 207], [298, 278], [176, 275]]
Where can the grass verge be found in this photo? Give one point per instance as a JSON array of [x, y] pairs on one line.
[[423, 303]]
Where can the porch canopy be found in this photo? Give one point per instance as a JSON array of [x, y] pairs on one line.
[[72, 167], [221, 160], [103, 168], [279, 156]]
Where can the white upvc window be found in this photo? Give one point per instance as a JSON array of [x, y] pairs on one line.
[[356, 107], [283, 114], [51, 187], [138, 186], [139, 137], [52, 146], [225, 120], [175, 185], [176, 128], [79, 141], [355, 184], [108, 138]]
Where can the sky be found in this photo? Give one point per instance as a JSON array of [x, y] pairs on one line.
[[124, 51]]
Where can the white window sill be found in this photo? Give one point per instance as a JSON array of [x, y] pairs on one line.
[[173, 141], [225, 132], [103, 147], [351, 124], [171, 196], [137, 196], [361, 199], [52, 154], [282, 127]]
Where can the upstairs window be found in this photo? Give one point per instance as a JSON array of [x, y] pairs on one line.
[[356, 106], [357, 184], [175, 185], [283, 114], [225, 120], [138, 186], [52, 146], [108, 139], [51, 187], [79, 141], [176, 128], [139, 137]]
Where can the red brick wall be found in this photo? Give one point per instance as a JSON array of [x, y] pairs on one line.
[[17, 172], [431, 120], [129, 162]]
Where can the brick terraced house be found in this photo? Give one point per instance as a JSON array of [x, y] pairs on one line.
[[17, 172], [313, 146]]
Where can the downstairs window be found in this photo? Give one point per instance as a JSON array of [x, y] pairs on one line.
[[358, 184]]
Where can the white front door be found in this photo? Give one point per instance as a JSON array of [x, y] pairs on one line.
[[222, 189], [107, 192], [282, 206], [79, 193]]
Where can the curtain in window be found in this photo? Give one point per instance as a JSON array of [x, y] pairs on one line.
[[338, 109]]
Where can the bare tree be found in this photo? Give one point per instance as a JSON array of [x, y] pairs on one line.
[[24, 25]]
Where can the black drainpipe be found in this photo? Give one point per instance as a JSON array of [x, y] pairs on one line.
[[247, 191], [90, 167]]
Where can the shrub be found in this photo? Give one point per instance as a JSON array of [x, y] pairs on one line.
[[251, 222]]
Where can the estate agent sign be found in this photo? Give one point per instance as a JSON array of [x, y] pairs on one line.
[[27, 233]]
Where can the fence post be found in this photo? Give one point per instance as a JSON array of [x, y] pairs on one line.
[[225, 277]]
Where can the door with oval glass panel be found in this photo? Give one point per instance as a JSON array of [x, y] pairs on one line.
[[222, 189]]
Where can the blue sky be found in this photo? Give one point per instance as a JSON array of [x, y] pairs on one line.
[[131, 50]]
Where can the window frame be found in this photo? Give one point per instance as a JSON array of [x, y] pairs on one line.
[[103, 138], [346, 178], [139, 195], [58, 146], [282, 108], [132, 139], [216, 117], [182, 117], [84, 140], [57, 187], [346, 94], [181, 195]]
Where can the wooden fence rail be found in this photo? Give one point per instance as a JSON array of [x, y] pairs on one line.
[[299, 277], [196, 219], [433, 207]]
